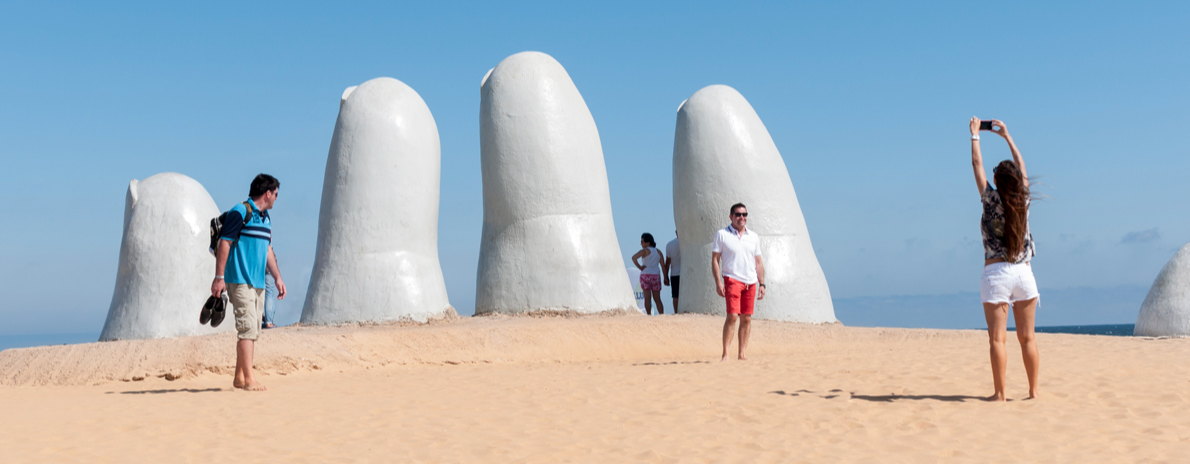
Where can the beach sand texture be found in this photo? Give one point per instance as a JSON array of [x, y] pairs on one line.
[[595, 389]]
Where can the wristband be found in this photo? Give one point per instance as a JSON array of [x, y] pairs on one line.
[[762, 285], [219, 277], [975, 137]]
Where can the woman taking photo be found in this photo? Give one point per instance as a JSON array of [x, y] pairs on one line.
[[650, 273], [1007, 250]]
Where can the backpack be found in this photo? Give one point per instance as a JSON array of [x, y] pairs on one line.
[[217, 226]]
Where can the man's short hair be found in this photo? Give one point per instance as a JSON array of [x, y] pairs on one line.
[[733, 207], [263, 183]]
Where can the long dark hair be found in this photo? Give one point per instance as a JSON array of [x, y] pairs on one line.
[[648, 238], [1014, 197]]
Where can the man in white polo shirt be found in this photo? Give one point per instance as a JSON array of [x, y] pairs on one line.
[[739, 273]]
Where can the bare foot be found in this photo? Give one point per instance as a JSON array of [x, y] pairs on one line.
[[724, 359], [237, 383], [1033, 395], [742, 357], [254, 386], [995, 398]]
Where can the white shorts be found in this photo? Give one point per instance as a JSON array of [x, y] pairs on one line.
[[1007, 282]]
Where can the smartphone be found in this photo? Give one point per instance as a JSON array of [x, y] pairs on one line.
[[985, 125]]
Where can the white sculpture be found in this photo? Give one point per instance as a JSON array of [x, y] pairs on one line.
[[377, 255], [1166, 310], [548, 241], [165, 269], [723, 155]]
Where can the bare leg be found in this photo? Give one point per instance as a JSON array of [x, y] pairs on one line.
[[657, 298], [675, 305], [648, 303], [244, 378], [238, 381], [745, 331], [1023, 312], [728, 332], [997, 318]]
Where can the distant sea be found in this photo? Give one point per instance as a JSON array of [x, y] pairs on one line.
[[34, 340], [1093, 309], [14, 341], [1098, 330]]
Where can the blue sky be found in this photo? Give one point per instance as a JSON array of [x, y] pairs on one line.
[[867, 101]]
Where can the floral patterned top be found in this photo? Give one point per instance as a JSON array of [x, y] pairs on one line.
[[991, 225]]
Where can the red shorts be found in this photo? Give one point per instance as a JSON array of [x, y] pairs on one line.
[[741, 298], [650, 282]]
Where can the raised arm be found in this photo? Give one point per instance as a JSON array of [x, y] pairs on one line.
[[981, 179], [638, 256], [1016, 154]]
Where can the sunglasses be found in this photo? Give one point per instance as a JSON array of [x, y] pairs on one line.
[[744, 214]]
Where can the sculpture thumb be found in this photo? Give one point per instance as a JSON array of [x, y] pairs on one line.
[[548, 242], [1166, 309], [724, 155], [377, 252], [164, 273]]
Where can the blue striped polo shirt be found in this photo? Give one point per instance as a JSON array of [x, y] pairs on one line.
[[249, 256]]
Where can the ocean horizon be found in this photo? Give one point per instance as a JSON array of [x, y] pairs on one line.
[[21, 341]]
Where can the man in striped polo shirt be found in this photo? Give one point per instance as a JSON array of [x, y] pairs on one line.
[[244, 255]]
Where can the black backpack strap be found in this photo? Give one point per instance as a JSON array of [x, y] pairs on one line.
[[248, 208]]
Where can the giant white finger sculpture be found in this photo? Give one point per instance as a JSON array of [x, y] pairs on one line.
[[165, 269], [723, 155], [1166, 310], [548, 239], [377, 255]]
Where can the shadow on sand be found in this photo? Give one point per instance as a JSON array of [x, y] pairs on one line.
[[669, 363], [833, 393], [171, 391]]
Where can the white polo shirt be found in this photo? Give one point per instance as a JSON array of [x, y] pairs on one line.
[[674, 253], [739, 252]]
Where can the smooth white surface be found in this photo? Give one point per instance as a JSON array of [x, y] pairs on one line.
[[346, 93], [377, 255], [548, 239], [165, 270], [1166, 310], [485, 79], [723, 154]]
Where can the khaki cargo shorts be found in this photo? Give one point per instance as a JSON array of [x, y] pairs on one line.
[[248, 304]]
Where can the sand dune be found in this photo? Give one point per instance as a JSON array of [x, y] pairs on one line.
[[595, 389]]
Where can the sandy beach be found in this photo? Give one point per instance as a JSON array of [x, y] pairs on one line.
[[595, 389]]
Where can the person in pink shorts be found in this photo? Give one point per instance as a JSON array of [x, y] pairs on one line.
[[650, 272]]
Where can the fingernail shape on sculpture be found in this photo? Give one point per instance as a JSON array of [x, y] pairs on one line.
[[377, 253], [165, 270], [723, 154], [1166, 310], [549, 243]]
